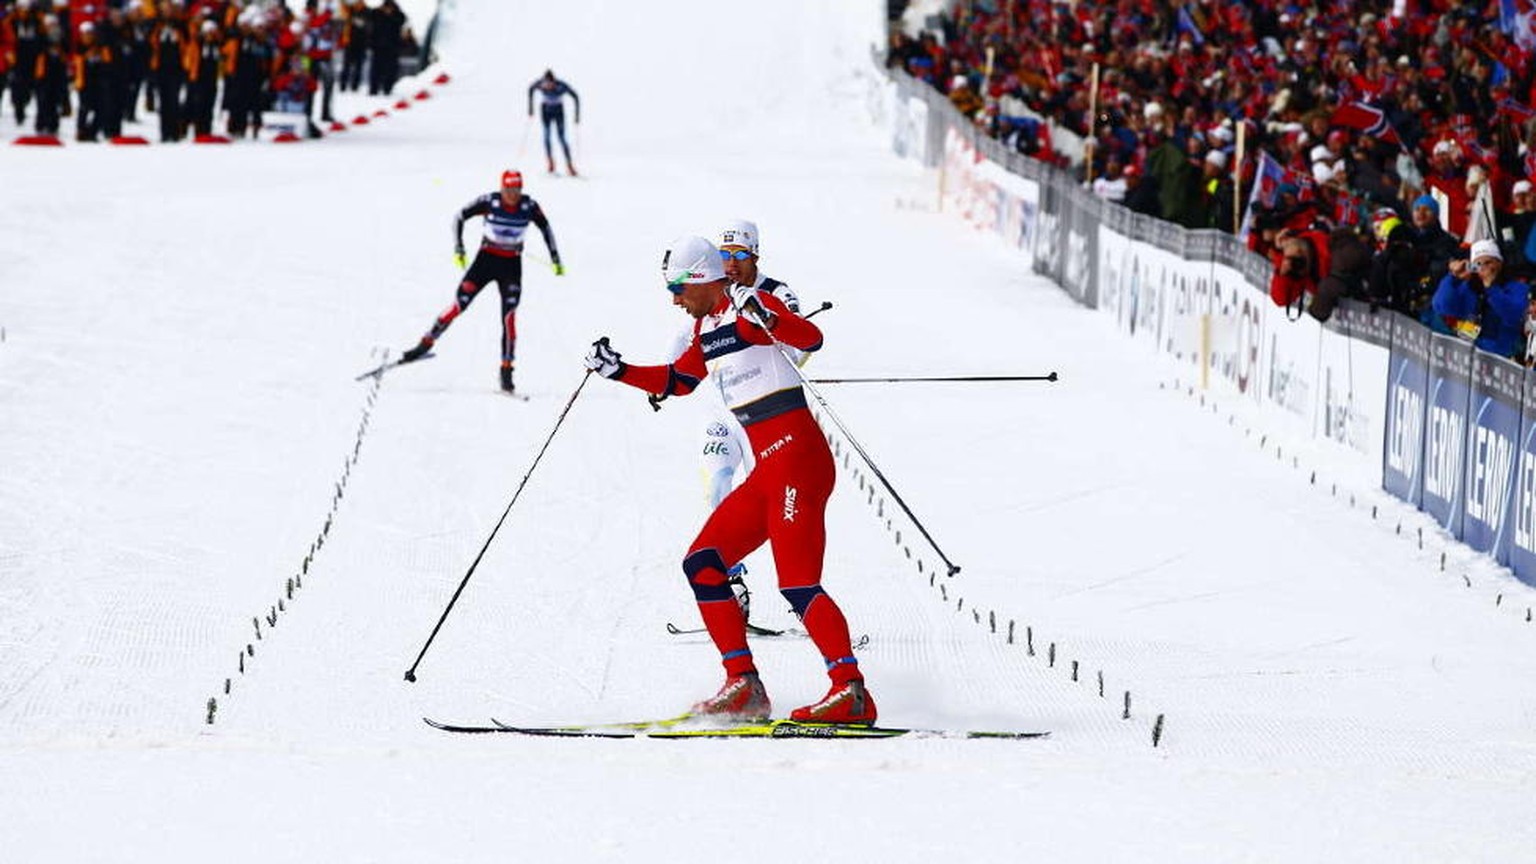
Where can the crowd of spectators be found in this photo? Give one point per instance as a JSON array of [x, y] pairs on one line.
[[1380, 139], [192, 63]]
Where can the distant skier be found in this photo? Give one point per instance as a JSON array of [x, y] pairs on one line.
[[736, 338], [500, 259], [551, 92]]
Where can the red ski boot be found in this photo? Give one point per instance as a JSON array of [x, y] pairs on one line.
[[848, 702], [742, 699]]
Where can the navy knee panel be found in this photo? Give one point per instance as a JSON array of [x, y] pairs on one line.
[[800, 598], [706, 576]]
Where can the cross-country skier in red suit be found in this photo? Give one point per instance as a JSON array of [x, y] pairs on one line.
[[500, 259], [739, 336]]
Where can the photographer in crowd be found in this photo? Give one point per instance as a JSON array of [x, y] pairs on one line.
[[1479, 302]]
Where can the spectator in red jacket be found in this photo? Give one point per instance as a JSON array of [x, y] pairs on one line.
[[1301, 260]]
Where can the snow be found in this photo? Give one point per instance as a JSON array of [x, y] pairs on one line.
[[181, 330]]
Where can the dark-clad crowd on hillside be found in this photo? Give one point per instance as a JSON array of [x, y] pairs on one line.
[[1387, 147], [203, 67]]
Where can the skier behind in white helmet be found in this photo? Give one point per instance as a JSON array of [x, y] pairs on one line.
[[737, 337]]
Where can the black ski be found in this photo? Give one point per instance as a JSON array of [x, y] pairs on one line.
[[752, 630], [388, 365]]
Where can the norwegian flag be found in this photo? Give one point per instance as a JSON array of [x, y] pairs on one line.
[[1517, 111], [1267, 180], [1348, 210], [1366, 118], [1270, 176]]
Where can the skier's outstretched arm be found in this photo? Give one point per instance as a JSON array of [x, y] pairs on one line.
[[678, 378]]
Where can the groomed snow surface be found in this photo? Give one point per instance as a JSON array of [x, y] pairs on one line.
[[178, 421]]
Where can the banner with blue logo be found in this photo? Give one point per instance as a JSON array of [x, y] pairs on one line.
[[1445, 430], [1407, 393], [1493, 429], [1522, 545]]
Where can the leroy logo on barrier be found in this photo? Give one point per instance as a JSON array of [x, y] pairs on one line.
[[1488, 488], [1406, 423], [1494, 424], [1525, 501], [1443, 452]]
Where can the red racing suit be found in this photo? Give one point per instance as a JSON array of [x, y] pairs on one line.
[[783, 501]]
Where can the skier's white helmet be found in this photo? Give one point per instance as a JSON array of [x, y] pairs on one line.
[[691, 260], [740, 233]]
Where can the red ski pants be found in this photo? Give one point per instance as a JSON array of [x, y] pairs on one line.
[[783, 503]]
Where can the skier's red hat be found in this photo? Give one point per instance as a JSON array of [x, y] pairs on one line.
[[512, 180]]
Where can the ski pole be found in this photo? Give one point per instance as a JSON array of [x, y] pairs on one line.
[[529, 253], [863, 454], [656, 398], [410, 674], [1050, 377]]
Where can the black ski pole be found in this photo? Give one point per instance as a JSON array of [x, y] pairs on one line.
[[1050, 377], [863, 454], [656, 399], [410, 674]]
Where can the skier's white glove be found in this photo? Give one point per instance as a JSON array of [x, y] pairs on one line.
[[744, 300], [603, 360]]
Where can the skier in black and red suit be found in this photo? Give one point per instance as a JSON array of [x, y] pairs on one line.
[[508, 214]]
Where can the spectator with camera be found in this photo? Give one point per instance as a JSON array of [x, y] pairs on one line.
[[1481, 303], [1301, 260]]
